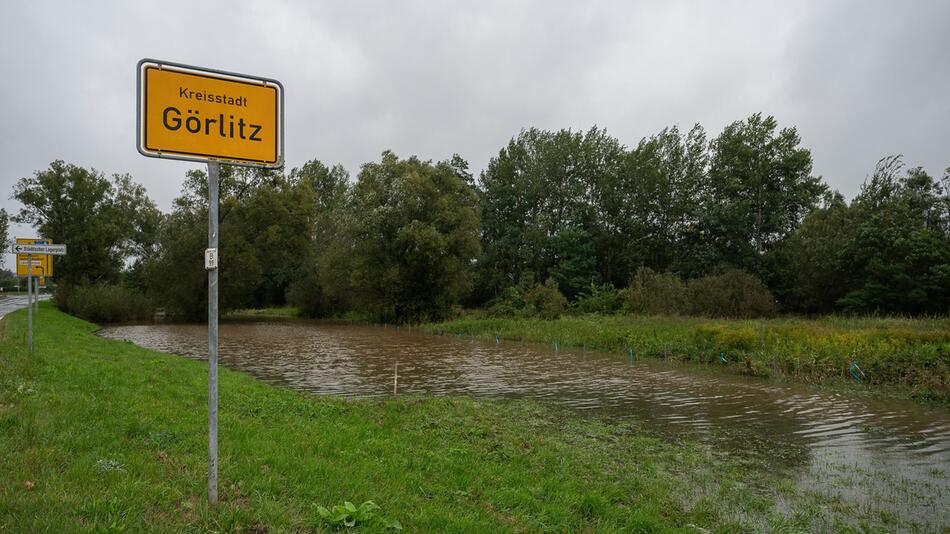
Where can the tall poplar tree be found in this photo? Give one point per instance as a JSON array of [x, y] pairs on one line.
[[761, 187]]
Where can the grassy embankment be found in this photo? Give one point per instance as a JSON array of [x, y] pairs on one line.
[[104, 435], [903, 356]]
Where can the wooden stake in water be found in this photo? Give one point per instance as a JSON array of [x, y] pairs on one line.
[[395, 378]]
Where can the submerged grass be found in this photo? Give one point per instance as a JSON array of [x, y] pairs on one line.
[[102, 435], [907, 355]]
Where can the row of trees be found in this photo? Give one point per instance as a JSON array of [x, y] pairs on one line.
[[888, 250], [409, 239], [7, 278], [4, 232], [103, 221], [583, 209]]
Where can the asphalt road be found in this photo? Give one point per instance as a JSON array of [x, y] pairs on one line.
[[14, 302]]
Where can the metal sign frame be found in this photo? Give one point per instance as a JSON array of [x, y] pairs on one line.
[[213, 73]]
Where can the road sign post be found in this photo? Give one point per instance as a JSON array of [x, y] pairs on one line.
[[213, 171], [29, 302], [29, 247], [196, 114]]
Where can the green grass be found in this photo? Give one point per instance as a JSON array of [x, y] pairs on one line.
[[285, 311], [102, 435], [899, 356]]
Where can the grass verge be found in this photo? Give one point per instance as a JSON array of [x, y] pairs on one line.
[[103, 435], [903, 356]]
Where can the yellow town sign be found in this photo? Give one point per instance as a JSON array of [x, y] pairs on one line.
[[197, 114]]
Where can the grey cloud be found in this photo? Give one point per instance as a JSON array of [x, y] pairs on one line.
[[859, 79]]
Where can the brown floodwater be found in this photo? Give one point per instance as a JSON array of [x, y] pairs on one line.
[[878, 456]]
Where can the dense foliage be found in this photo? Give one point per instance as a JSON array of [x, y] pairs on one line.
[[888, 251], [412, 232], [396, 245], [4, 231], [558, 221], [104, 303]]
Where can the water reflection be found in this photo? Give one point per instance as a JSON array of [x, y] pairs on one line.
[[860, 449]]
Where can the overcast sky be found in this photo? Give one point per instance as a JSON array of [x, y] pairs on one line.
[[860, 80]]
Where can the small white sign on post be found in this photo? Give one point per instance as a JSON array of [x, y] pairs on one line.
[[211, 259]]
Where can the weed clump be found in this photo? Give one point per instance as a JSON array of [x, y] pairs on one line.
[[732, 293]]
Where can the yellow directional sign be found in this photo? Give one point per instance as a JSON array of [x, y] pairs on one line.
[[198, 114], [42, 263]]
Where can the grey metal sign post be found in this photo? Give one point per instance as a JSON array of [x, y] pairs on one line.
[[156, 139], [33, 292], [211, 264], [29, 302]]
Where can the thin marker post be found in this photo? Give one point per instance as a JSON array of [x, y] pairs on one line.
[[213, 172], [29, 301]]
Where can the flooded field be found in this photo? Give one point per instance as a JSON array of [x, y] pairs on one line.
[[874, 456]]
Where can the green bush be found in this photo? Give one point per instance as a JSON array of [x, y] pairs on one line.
[[733, 293], [652, 293], [604, 298], [546, 300], [104, 303], [529, 299], [511, 302]]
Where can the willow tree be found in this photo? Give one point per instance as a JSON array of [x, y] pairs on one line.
[[410, 235]]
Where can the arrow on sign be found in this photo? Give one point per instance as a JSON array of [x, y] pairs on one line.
[[54, 250]]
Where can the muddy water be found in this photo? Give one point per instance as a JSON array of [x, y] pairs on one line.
[[876, 456]]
